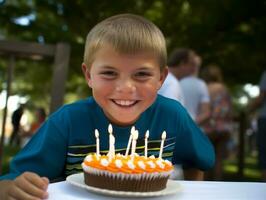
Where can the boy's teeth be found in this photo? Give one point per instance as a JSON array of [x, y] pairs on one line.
[[124, 102]]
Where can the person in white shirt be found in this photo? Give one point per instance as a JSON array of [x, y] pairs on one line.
[[196, 98], [184, 64], [177, 66], [171, 88], [195, 90]]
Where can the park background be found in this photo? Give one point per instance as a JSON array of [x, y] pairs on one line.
[[229, 33]]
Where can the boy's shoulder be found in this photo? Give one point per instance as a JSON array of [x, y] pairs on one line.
[[80, 103], [166, 104], [79, 106]]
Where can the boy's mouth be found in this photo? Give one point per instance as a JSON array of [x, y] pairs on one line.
[[124, 103]]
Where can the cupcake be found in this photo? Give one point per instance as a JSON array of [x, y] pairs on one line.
[[124, 173]]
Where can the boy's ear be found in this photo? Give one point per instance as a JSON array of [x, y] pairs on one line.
[[163, 75], [86, 73]]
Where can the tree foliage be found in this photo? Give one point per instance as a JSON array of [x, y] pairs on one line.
[[228, 33]]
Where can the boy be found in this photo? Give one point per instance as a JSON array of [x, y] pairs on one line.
[[125, 65]]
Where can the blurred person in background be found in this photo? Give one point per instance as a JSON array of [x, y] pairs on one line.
[[196, 95], [260, 103], [171, 87], [39, 118], [219, 126], [15, 119]]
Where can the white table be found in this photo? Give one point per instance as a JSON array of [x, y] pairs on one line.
[[191, 190]]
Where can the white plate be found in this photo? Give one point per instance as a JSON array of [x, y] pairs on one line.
[[172, 187]]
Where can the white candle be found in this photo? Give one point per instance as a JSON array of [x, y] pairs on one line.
[[129, 140], [146, 143], [134, 142], [111, 152], [162, 143], [97, 143]]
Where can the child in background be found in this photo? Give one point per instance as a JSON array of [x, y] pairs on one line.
[[39, 118], [124, 65]]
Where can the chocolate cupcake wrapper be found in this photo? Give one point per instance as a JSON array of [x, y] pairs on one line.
[[116, 183]]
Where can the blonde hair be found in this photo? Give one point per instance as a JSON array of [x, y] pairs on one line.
[[127, 34]]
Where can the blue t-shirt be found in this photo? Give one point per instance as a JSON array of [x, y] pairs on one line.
[[63, 141]]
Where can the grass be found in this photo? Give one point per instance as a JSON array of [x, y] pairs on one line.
[[250, 171]]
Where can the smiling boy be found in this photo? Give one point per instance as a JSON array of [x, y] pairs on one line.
[[125, 65], [123, 85]]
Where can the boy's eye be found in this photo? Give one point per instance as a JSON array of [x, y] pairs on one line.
[[109, 74], [143, 75]]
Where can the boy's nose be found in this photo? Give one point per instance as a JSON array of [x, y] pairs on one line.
[[125, 86]]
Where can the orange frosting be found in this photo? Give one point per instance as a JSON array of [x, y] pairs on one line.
[[127, 164]]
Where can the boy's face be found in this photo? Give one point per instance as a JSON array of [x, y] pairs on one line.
[[124, 85]]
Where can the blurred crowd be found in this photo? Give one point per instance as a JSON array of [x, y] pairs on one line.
[[205, 95]]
